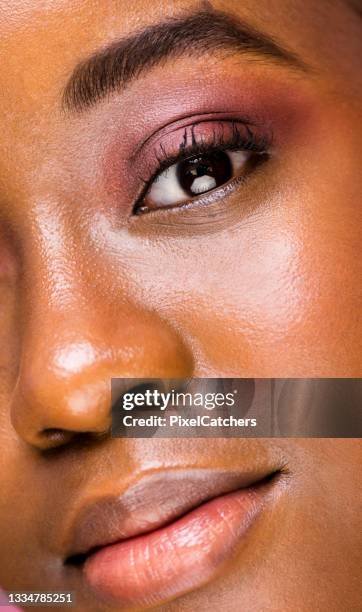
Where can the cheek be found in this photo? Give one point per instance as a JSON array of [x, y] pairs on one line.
[[249, 297], [231, 293], [260, 299]]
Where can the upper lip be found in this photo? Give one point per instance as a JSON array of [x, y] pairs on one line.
[[150, 503]]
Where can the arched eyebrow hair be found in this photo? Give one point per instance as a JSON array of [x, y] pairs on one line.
[[206, 30]]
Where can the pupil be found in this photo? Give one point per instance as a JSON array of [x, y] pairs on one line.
[[205, 172]]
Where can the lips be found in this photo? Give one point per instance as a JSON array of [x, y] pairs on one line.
[[166, 535]]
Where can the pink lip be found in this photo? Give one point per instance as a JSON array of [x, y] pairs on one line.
[[154, 567]]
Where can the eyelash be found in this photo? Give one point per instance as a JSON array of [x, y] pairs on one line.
[[247, 141]]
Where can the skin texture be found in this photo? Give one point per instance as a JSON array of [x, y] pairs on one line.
[[262, 283]]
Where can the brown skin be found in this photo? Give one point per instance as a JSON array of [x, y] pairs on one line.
[[269, 287]]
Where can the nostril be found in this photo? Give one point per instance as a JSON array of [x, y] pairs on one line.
[[56, 437], [53, 431]]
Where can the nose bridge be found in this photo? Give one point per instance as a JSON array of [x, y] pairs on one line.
[[55, 303], [74, 340]]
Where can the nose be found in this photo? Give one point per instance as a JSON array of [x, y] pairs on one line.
[[74, 339]]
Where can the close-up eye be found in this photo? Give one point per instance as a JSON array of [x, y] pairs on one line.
[[200, 168], [195, 176]]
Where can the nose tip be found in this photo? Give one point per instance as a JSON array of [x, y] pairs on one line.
[[64, 387], [60, 395]]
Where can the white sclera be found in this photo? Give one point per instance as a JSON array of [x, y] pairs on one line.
[[166, 189]]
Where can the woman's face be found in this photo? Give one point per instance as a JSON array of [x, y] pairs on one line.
[[180, 202]]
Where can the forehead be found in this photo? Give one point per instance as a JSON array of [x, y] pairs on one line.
[[25, 15], [95, 21], [85, 24]]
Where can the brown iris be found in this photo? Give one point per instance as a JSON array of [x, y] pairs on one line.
[[205, 172]]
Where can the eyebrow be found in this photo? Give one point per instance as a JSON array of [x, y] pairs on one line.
[[194, 34]]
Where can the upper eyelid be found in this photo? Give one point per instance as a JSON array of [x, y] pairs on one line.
[[186, 121], [168, 159]]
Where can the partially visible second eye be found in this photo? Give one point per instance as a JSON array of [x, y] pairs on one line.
[[194, 177]]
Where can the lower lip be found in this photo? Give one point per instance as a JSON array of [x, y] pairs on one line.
[[161, 565]]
